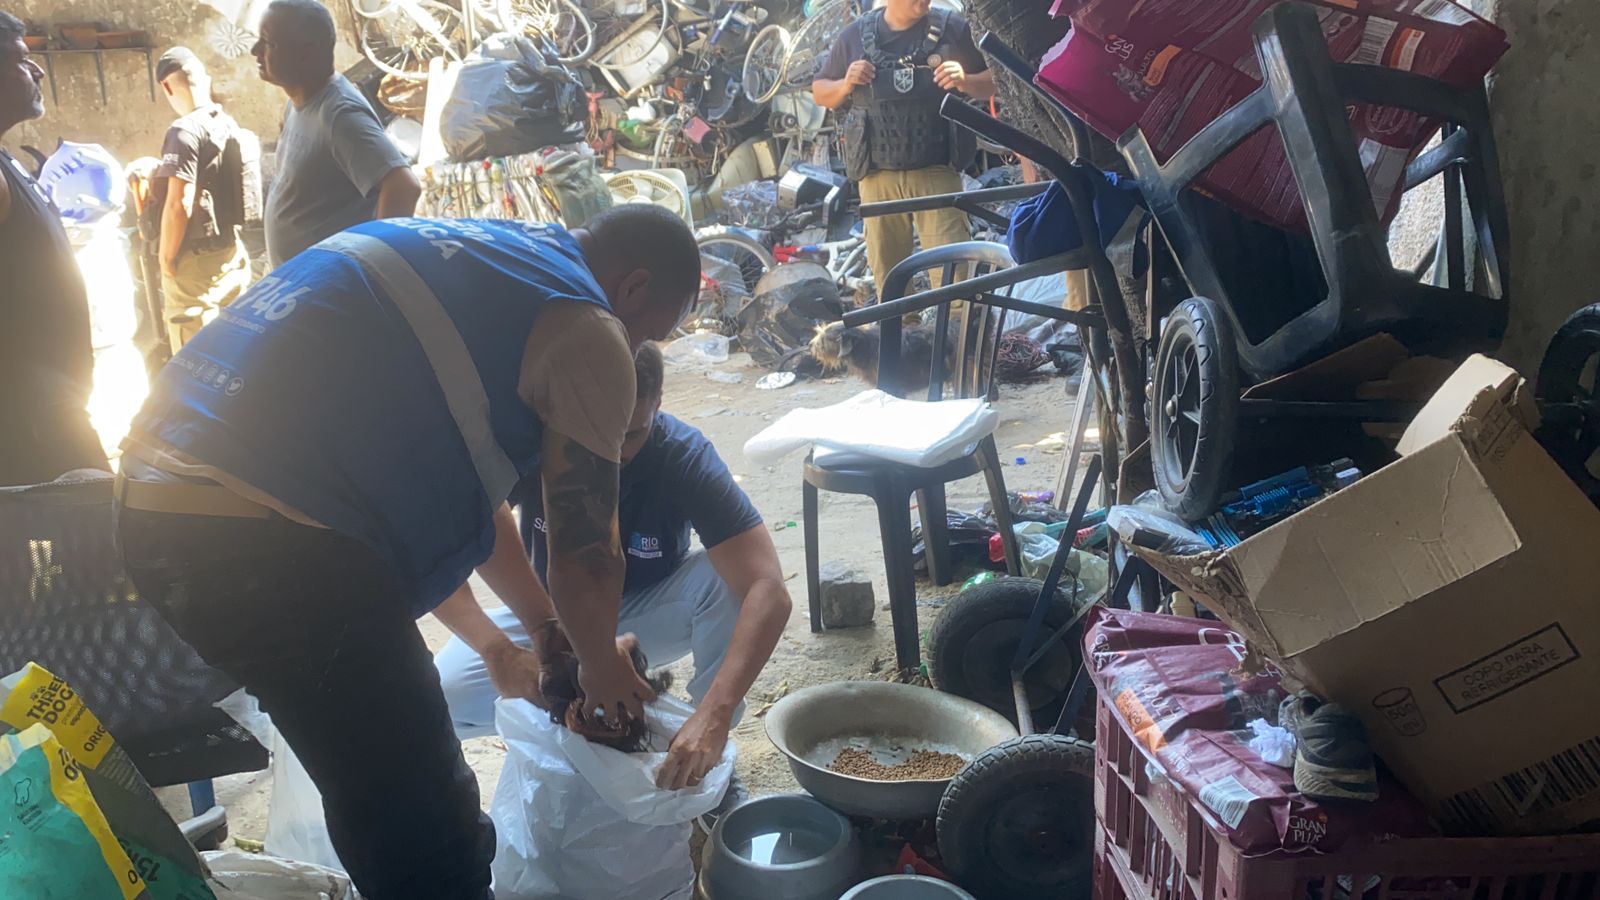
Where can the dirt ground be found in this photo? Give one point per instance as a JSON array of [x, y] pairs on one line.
[[729, 414]]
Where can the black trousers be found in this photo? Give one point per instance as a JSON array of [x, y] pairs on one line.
[[320, 631]]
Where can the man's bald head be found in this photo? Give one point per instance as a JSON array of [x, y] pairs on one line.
[[296, 43], [647, 261]]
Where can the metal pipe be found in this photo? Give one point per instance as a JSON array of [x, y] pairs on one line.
[[1019, 696], [1057, 565], [1081, 318], [971, 287], [939, 201]]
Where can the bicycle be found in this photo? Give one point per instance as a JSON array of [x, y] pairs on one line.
[[777, 62], [400, 37], [845, 260]]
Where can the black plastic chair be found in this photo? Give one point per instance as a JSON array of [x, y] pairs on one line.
[[978, 326], [67, 604]]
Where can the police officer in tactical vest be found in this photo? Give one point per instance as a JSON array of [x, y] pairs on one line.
[[893, 67]]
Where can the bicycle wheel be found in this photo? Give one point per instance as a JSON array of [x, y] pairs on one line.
[[560, 22], [731, 265], [637, 51], [812, 41], [765, 63], [404, 38]]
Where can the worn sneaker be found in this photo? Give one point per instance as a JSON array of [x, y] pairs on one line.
[[1332, 758]]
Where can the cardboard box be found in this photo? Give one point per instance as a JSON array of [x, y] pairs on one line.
[[1452, 600]]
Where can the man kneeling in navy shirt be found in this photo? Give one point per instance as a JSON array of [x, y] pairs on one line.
[[725, 604]]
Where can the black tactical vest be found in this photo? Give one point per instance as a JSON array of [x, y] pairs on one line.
[[894, 122]]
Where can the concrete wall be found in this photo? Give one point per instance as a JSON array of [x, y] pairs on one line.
[[1546, 99], [129, 123]]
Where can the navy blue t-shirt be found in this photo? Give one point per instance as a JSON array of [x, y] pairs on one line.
[[677, 481]]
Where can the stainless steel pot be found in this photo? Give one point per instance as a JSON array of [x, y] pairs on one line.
[[906, 887], [780, 847]]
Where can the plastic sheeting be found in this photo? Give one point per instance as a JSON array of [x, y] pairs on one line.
[[252, 876], [84, 181], [581, 821], [879, 425]]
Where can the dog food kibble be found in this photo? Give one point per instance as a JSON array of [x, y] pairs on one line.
[[923, 764]]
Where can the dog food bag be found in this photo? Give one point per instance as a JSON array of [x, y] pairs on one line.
[[1171, 67], [1180, 687], [55, 843], [166, 863]]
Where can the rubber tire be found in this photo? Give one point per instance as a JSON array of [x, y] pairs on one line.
[[1197, 321], [1049, 776], [981, 606], [1570, 349]]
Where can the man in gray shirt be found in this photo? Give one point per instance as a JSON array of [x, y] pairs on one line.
[[335, 165]]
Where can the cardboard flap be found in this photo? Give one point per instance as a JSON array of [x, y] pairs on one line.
[[1337, 376], [1213, 579], [1479, 402], [1386, 541]]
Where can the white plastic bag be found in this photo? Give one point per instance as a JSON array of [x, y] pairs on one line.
[[252, 876], [1037, 544], [579, 821], [296, 826], [701, 348], [880, 425]]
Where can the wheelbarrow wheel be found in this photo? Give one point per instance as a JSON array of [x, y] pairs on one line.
[[1195, 408], [1569, 376], [1017, 823], [973, 640]]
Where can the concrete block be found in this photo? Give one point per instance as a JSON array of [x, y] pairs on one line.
[[847, 599]]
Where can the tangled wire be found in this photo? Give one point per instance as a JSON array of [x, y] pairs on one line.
[[1018, 356], [558, 682]]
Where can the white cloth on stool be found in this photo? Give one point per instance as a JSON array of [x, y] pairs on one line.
[[881, 426]]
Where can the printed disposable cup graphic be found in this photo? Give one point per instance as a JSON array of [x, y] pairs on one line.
[[1400, 708]]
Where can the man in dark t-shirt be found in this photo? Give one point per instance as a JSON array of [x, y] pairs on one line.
[[199, 192], [725, 604], [888, 71]]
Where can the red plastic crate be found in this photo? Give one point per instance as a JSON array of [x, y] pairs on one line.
[[1154, 842]]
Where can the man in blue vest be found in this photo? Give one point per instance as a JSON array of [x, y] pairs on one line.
[[725, 604], [330, 459]]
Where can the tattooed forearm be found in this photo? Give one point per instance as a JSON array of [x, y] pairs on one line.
[[580, 499], [586, 564]]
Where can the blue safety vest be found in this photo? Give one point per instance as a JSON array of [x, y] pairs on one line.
[[371, 384]]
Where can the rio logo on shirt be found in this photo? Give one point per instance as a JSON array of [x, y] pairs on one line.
[[644, 546]]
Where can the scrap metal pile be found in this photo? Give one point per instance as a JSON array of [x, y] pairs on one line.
[[716, 89], [550, 109]]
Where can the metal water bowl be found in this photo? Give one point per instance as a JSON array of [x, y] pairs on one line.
[[780, 847]]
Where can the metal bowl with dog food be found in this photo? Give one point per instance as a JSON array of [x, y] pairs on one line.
[[889, 728]]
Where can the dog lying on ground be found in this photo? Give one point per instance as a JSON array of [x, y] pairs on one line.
[[558, 682], [855, 350]]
